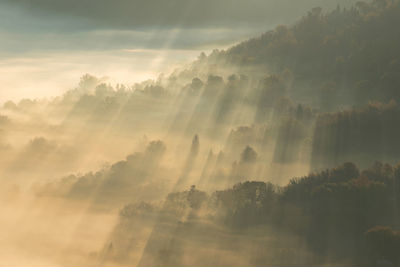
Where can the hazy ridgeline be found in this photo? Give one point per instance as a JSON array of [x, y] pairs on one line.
[[157, 174]]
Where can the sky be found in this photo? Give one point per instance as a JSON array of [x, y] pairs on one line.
[[46, 45]]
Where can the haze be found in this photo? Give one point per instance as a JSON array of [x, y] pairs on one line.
[[199, 133]]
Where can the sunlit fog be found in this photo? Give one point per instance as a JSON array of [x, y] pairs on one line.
[[199, 133]]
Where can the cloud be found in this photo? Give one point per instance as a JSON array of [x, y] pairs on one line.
[[100, 40], [127, 24], [62, 39], [173, 13]]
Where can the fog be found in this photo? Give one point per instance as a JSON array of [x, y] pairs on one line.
[[49, 74], [281, 150]]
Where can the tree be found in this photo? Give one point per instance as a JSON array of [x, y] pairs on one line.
[[384, 243]]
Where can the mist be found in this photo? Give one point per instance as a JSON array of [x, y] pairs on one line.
[[134, 142]]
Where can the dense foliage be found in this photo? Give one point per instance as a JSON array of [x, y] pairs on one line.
[[344, 214], [341, 56]]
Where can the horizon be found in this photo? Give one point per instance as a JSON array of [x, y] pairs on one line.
[[199, 133], [60, 49]]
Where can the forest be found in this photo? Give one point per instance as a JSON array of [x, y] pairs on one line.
[[281, 150]]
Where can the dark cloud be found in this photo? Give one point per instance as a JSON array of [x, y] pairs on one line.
[[173, 13], [152, 24]]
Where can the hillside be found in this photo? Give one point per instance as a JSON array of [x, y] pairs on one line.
[[335, 58]]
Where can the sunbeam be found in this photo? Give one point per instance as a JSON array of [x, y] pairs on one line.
[[184, 143]]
